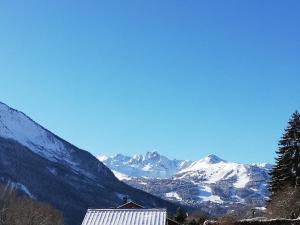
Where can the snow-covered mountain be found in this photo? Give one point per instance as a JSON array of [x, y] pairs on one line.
[[17, 126], [152, 165], [210, 183], [41, 165]]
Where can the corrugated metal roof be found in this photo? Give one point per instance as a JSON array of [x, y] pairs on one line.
[[125, 217]]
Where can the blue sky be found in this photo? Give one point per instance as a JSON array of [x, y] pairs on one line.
[[185, 78]]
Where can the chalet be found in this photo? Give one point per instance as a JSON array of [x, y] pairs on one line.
[[129, 213]]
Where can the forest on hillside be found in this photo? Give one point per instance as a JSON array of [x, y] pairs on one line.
[[21, 210]]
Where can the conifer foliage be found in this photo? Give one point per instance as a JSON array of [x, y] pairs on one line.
[[180, 215], [286, 170]]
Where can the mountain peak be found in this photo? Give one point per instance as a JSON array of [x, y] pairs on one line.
[[152, 155], [102, 157], [138, 157], [212, 159]]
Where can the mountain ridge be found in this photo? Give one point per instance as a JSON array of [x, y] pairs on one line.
[[211, 182], [154, 157]]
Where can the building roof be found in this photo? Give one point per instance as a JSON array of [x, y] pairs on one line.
[[125, 217], [134, 205], [130, 205]]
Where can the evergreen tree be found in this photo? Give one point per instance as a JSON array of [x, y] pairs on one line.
[[192, 222], [286, 170], [180, 215]]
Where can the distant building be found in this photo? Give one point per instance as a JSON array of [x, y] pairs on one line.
[[129, 213]]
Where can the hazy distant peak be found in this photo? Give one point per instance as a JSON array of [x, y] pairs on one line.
[[138, 157], [102, 157], [212, 159], [152, 155]]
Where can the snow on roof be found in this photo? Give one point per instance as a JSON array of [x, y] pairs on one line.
[[125, 217]]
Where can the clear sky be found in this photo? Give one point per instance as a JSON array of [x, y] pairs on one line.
[[185, 78]]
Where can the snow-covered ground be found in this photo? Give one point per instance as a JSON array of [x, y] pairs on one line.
[[173, 195]]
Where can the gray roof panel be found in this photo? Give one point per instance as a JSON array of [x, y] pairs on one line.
[[125, 217]]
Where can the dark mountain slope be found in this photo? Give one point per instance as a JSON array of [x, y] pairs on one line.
[[45, 167]]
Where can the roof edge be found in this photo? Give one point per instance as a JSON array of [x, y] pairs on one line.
[[117, 209]]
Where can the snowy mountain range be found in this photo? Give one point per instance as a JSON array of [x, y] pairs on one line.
[[152, 165], [211, 183], [41, 165]]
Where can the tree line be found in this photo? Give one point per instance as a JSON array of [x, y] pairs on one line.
[[21, 210]]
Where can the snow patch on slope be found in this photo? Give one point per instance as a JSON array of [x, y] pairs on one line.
[[18, 186], [206, 195], [121, 176], [173, 195], [243, 177]]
